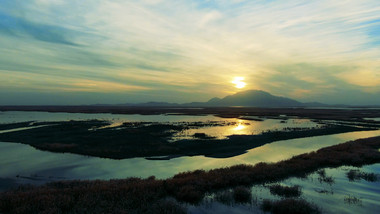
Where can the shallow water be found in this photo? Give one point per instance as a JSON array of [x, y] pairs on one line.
[[373, 118], [333, 199], [20, 129], [334, 202], [246, 127], [23, 116]]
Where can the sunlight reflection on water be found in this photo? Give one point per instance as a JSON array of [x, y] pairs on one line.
[[245, 127], [216, 127]]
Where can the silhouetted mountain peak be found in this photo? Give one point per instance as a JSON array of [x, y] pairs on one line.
[[257, 98], [253, 92], [249, 98], [250, 94], [214, 100]]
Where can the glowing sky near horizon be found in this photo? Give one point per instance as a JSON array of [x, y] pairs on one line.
[[117, 51], [238, 81]]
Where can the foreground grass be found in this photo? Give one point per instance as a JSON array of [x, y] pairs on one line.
[[135, 195], [355, 175], [286, 206]]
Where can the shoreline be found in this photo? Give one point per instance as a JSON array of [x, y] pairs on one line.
[[351, 114]]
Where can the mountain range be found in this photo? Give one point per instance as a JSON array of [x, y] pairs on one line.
[[250, 98]]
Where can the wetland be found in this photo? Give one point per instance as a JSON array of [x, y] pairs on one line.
[[40, 147]]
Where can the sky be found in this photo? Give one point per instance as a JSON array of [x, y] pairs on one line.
[[69, 52]]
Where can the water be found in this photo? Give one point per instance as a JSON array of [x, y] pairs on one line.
[[23, 116], [22, 164], [334, 202], [329, 197], [373, 118], [246, 127], [41, 166], [213, 126], [20, 129]]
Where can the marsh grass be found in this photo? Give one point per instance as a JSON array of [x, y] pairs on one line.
[[242, 194], [167, 206], [224, 197], [285, 191], [324, 191], [355, 175], [350, 199], [323, 178], [286, 206]]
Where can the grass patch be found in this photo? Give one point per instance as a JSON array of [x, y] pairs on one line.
[[238, 194], [242, 194], [167, 206], [285, 206], [285, 191], [323, 178], [355, 175], [324, 191], [224, 197], [350, 199]]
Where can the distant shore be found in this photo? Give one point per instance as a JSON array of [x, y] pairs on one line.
[[349, 114]]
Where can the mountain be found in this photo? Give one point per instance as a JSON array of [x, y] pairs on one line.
[[251, 98], [255, 98], [156, 104]]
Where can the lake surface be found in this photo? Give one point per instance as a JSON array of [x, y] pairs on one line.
[[22, 164]]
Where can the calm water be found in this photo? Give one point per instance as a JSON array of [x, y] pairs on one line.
[[332, 201], [373, 118], [23, 164]]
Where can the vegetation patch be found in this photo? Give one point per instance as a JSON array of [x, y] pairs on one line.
[[324, 191], [285, 191], [224, 197], [242, 194], [167, 206], [323, 178], [350, 199], [286, 206], [355, 175], [202, 136]]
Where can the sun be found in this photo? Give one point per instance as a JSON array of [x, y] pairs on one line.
[[238, 81]]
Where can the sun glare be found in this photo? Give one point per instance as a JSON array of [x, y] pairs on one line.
[[239, 127], [238, 81]]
